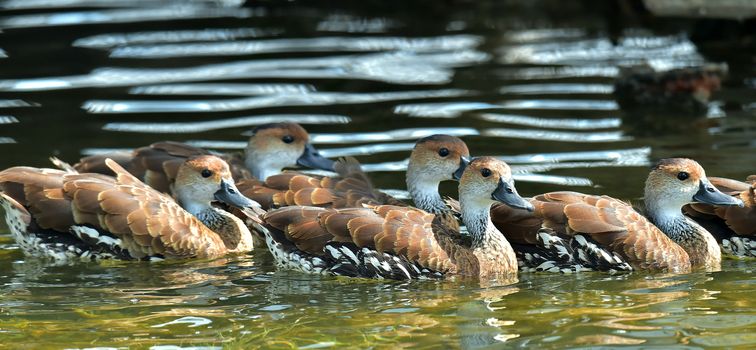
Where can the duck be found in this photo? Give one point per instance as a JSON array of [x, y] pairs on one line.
[[734, 227], [399, 242], [433, 159], [271, 147], [68, 216], [571, 231]]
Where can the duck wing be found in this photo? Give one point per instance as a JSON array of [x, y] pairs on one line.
[[400, 231], [148, 222], [41, 191], [156, 164], [613, 225], [351, 189]]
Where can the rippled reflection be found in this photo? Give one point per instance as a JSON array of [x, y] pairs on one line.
[[185, 127], [267, 101], [327, 44], [104, 41], [395, 67], [227, 89], [559, 123], [123, 16], [562, 136]]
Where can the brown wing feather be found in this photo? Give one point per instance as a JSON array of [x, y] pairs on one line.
[[399, 230], [40, 190], [351, 189], [149, 222], [613, 224]]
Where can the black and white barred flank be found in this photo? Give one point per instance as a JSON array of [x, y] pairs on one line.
[[82, 244], [345, 259], [567, 255]]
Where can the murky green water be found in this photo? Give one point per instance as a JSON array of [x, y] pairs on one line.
[[529, 82]]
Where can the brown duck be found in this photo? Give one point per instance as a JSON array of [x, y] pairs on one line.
[[70, 216], [733, 227], [396, 242], [270, 148], [571, 231]]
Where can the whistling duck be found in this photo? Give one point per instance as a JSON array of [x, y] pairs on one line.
[[271, 148], [571, 231], [69, 216], [733, 227], [396, 242], [434, 159]]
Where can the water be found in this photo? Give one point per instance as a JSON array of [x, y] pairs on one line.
[[529, 83]]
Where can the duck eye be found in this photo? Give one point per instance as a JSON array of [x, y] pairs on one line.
[[287, 139], [485, 172], [443, 152], [206, 173], [682, 176]]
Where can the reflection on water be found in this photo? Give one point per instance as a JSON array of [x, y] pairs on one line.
[[528, 83]]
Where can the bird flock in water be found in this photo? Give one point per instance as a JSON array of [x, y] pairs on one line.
[[170, 200]]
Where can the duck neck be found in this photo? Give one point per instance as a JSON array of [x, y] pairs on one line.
[[700, 245], [476, 216], [235, 235], [424, 193]]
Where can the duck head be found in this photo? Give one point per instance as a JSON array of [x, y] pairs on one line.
[[674, 182], [487, 180], [437, 158], [204, 179], [275, 146]]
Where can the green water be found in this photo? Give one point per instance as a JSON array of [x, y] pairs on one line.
[[531, 60]]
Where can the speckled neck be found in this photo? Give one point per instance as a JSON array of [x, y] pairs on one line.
[[700, 245], [232, 232]]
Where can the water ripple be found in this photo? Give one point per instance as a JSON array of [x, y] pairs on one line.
[[616, 156], [632, 50], [46, 4], [398, 67], [538, 73], [6, 140], [562, 123], [441, 109], [535, 35], [195, 127], [553, 88], [226, 89], [104, 41], [562, 136], [603, 105], [16, 104], [8, 119], [277, 100], [351, 24], [322, 44], [123, 16], [532, 168]]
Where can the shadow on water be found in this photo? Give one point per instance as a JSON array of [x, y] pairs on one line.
[[531, 83]]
